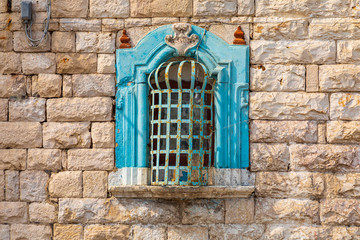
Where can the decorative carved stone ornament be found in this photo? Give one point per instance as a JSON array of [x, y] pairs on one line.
[[181, 40]]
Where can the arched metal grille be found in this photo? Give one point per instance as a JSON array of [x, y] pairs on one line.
[[181, 125]]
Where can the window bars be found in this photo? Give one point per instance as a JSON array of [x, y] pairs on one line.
[[181, 124]]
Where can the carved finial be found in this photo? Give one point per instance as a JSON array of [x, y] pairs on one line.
[[181, 40], [239, 37], [124, 39]]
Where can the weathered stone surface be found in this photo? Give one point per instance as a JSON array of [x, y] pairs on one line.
[[340, 233], [322, 133], [287, 231], [29, 109], [30, 232], [13, 212], [76, 63], [289, 106], [236, 231], [4, 229], [95, 42], [80, 25], [3, 6], [334, 28], [164, 20], [12, 65], [137, 22], [12, 85], [66, 184], [47, 85], [226, 31], [106, 63], [345, 106], [343, 132], [5, 41], [33, 186], [68, 232], [111, 25], [94, 232], [343, 185], [187, 232], [322, 157], [246, 7], [160, 8], [38, 5], [312, 78], [348, 51], [203, 212], [91, 210], [340, 211], [67, 86], [277, 78], [342, 77], [239, 211], [215, 8], [91, 159], [93, 85], [21, 42], [2, 185], [102, 134], [305, 52], [13, 159], [68, 8], [135, 34], [274, 157], [95, 184], [37, 26], [149, 232], [20, 135], [67, 135], [42, 212], [292, 184], [4, 109], [107, 8], [63, 42], [34, 63], [268, 210], [44, 159], [12, 185]]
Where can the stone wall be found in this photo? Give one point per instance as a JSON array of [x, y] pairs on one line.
[[57, 122]]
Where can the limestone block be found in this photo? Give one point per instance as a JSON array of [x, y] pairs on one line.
[[95, 42], [21, 42], [335, 78], [47, 85], [339, 233], [106, 63], [345, 106], [2, 185], [294, 231], [37, 26], [3, 6], [94, 232], [164, 20], [80, 25], [239, 211], [35, 63], [67, 135], [340, 211], [348, 51], [268, 210], [343, 185], [42, 213], [12, 185], [246, 7], [203, 212], [6, 44], [12, 85], [135, 34], [299, 52], [4, 229], [63, 42], [79, 109], [67, 86], [334, 28], [30, 231], [149, 232], [324, 157], [160, 8], [20, 135], [343, 132], [233, 231], [76, 63], [137, 22], [269, 157], [102, 134], [312, 78], [289, 106], [290, 184], [68, 8], [44, 159], [66, 184], [33, 186], [28, 109], [215, 8], [107, 8], [13, 159], [68, 232], [355, 7], [93, 85], [38, 5], [111, 25], [91, 159], [277, 78], [95, 184], [4, 109], [187, 232], [13, 212], [226, 31], [12, 65]]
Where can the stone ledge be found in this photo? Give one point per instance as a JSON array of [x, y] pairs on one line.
[[176, 192]]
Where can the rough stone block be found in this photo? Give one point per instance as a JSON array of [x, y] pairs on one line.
[[312, 78], [20, 135], [12, 85], [234, 231], [322, 133], [38, 5], [3, 6], [42, 213], [76, 63], [44, 159], [6, 44], [66, 184], [91, 159], [68, 8], [93, 85], [47, 85], [137, 22], [29, 109], [67, 86], [226, 31], [12, 65], [102, 134], [269, 157], [149, 232], [345, 106], [161, 8], [35, 63], [289, 106], [4, 229], [68, 232], [135, 34], [348, 51], [164, 20], [30, 231], [13, 212], [246, 7], [95, 184], [2, 185], [4, 109], [95, 42], [107, 8], [215, 8], [296, 231], [299, 52], [111, 25], [80, 25], [343, 132], [339, 233], [33, 186], [277, 78], [13, 159], [340, 211], [12, 185], [334, 28], [343, 185], [106, 63], [67, 135], [203, 212], [341, 77], [239, 211], [63, 42], [187, 232], [21, 42], [94, 232]]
